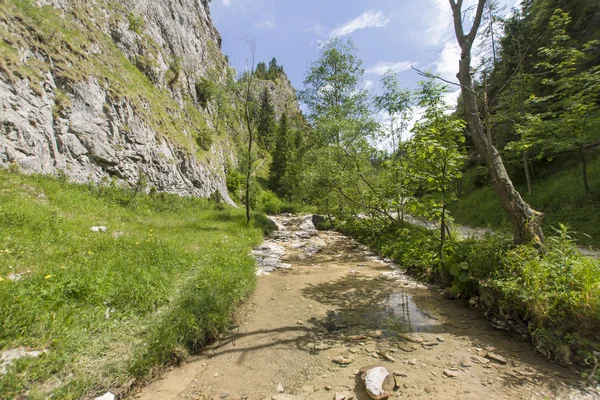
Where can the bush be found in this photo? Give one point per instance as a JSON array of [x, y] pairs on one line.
[[269, 203], [556, 293], [136, 23]]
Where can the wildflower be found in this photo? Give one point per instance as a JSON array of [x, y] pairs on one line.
[[62, 267], [151, 230], [1, 279], [48, 277], [90, 252], [137, 243]]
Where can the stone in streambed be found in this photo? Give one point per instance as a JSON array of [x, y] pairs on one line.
[[379, 383]]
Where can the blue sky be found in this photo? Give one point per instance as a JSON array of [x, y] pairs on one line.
[[387, 33]]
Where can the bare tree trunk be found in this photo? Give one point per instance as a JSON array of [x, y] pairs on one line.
[[527, 173], [526, 222]]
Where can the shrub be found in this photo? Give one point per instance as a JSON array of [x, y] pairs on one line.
[[136, 23], [269, 203]]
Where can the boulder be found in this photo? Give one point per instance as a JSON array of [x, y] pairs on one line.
[[379, 383]]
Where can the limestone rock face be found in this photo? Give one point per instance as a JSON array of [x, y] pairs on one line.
[[73, 116]]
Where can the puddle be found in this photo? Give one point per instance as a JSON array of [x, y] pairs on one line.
[[368, 304]]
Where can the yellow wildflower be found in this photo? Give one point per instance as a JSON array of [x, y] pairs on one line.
[[48, 277]]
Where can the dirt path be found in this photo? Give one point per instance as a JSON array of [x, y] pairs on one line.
[[336, 300]]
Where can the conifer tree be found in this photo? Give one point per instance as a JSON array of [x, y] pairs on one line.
[[266, 121], [282, 156]]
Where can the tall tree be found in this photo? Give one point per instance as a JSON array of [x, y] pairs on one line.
[[338, 163], [249, 123], [572, 106], [526, 222], [283, 156], [266, 121], [396, 102], [273, 69], [261, 70], [435, 152]]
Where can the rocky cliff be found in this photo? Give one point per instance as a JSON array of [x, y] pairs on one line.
[[106, 90]]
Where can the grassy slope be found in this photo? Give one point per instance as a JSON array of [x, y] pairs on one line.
[[561, 197], [169, 271]]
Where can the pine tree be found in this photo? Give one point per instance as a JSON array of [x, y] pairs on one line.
[[282, 157], [261, 70], [273, 69], [266, 121]]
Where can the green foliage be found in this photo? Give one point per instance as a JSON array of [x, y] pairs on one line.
[[136, 23], [108, 306], [205, 91], [560, 197], [174, 71], [266, 121], [336, 163], [272, 73], [557, 293], [284, 168], [269, 203]]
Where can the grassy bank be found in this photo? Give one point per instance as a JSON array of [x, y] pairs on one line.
[[560, 197], [111, 307], [556, 294]]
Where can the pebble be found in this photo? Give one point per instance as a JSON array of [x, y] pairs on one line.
[[224, 395], [342, 360], [279, 388], [328, 387], [299, 322], [496, 357], [450, 373]]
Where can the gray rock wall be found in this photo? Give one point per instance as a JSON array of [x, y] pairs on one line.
[[95, 136]]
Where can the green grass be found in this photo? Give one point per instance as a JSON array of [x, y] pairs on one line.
[[560, 197], [168, 272]]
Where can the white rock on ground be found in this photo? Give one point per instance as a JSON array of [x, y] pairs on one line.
[[9, 356], [106, 396], [374, 379]]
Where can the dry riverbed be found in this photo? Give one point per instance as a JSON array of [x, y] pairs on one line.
[[325, 307]]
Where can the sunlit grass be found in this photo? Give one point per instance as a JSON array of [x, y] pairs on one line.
[[168, 268]]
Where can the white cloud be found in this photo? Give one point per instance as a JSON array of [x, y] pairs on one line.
[[439, 23], [447, 64], [369, 84], [227, 3], [266, 24], [316, 29], [369, 19], [382, 67]]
